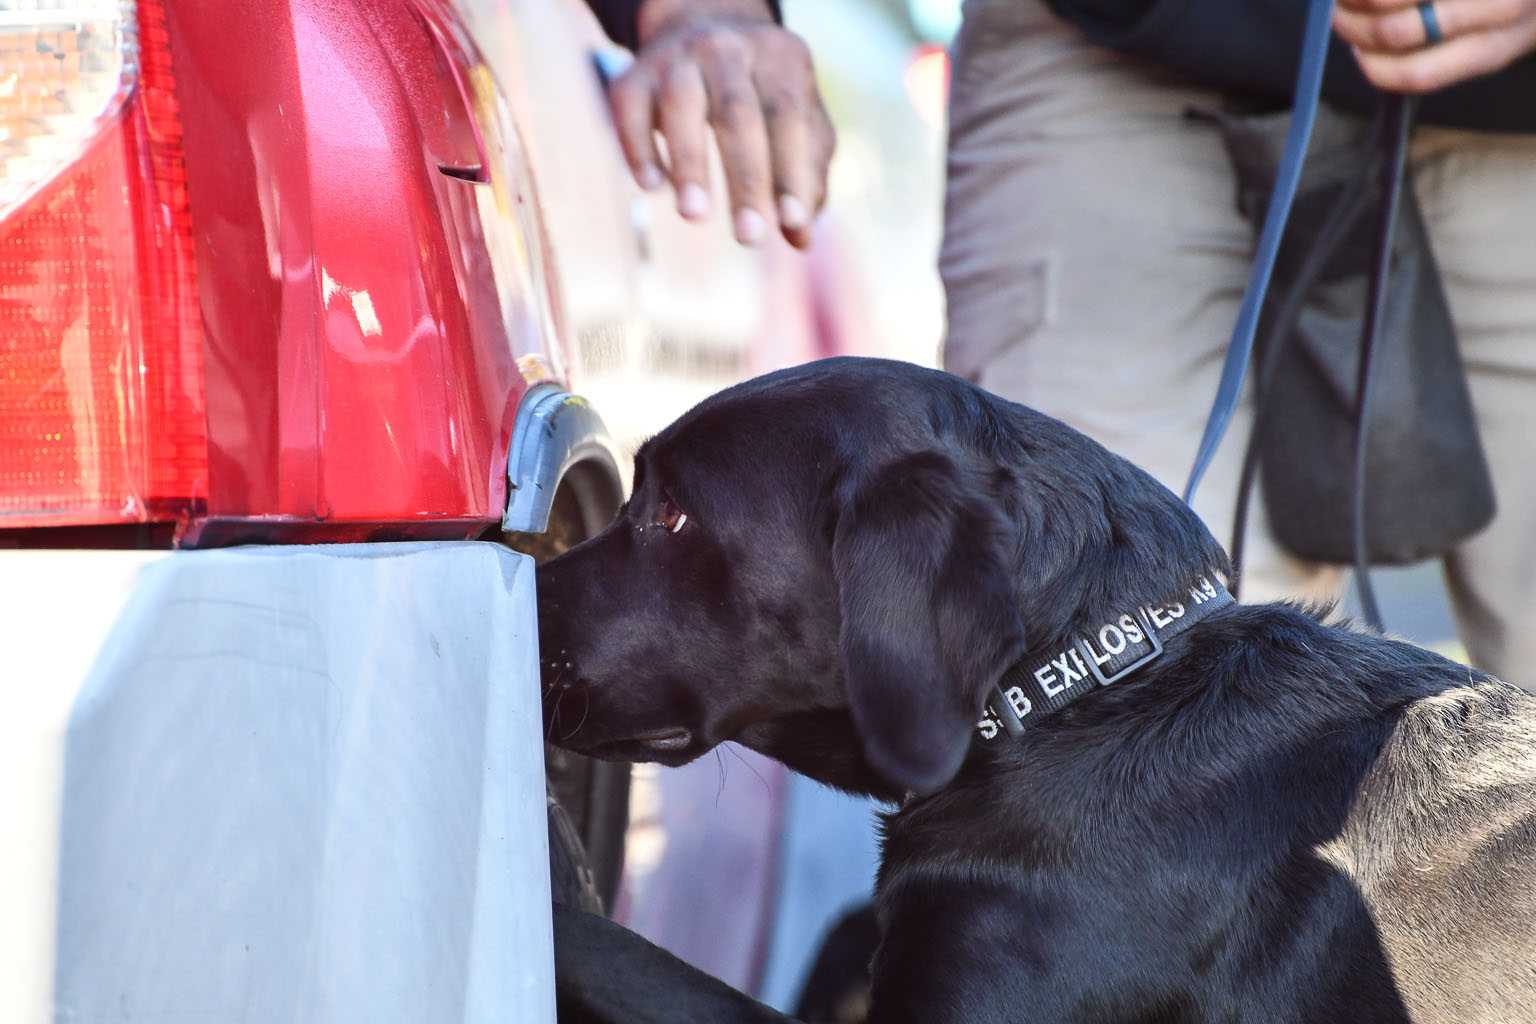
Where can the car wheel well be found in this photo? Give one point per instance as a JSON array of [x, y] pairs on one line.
[[585, 502]]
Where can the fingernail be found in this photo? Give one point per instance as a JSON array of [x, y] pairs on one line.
[[792, 213], [750, 227], [693, 201], [649, 177]]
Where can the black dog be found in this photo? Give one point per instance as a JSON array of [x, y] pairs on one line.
[[901, 585]]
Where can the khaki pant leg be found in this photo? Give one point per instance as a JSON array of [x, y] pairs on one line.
[[1479, 198], [1094, 259]]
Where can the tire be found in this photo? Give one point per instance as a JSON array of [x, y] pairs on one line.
[[595, 797], [570, 875]]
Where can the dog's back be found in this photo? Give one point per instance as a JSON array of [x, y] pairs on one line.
[[1442, 844]]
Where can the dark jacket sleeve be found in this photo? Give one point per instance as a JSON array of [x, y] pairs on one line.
[[618, 18], [1254, 46]]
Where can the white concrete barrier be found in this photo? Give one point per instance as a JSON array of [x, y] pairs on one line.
[[272, 784]]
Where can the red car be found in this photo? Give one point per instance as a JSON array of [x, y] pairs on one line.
[[293, 298]]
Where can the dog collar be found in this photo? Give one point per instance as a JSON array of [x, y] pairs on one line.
[[1031, 689]]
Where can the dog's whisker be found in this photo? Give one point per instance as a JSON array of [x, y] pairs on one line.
[[750, 767], [554, 715], [586, 709], [720, 764]]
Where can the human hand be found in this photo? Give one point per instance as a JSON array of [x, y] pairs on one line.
[[726, 65], [1392, 45]]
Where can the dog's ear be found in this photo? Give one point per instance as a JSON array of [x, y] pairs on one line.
[[929, 620]]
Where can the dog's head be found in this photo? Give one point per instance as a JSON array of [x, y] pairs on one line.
[[831, 564]]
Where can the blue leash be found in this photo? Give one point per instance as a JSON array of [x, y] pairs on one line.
[[1397, 122], [1398, 114], [1309, 86]]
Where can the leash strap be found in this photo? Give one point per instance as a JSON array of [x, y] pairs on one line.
[[1342, 217], [1398, 121], [1037, 687], [1393, 127], [1309, 85]]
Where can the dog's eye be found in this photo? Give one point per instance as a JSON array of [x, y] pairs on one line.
[[669, 517]]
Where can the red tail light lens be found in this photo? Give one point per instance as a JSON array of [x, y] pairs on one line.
[[101, 384]]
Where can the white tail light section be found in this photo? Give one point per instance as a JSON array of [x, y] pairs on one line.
[[65, 68]]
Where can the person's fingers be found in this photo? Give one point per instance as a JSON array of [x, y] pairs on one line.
[[794, 173], [794, 120], [736, 113], [632, 97], [755, 87], [826, 148], [1435, 67], [1402, 29], [683, 110], [801, 177]]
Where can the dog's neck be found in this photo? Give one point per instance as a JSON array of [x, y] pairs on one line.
[[1096, 654], [1137, 740], [1119, 652]]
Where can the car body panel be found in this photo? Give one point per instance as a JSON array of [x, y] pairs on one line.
[[363, 334], [407, 213]]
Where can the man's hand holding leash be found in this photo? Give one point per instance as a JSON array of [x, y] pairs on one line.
[[1404, 46]]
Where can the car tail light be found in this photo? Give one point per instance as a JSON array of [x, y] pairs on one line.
[[101, 384]]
